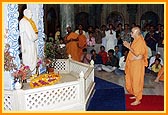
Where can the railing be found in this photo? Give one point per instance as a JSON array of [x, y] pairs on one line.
[[72, 95]]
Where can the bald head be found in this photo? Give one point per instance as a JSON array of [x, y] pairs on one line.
[[135, 32]]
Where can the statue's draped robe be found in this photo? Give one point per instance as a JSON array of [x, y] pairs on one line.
[[28, 44]]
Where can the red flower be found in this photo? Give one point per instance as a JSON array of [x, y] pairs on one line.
[[39, 62]]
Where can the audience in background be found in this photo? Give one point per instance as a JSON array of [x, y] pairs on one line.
[[160, 75], [152, 60], [111, 38], [121, 70], [90, 42], [112, 62], [81, 43], [103, 54], [80, 28], [57, 34], [118, 35], [117, 53], [86, 57], [99, 41], [90, 29], [103, 32], [151, 39], [97, 60], [156, 66]]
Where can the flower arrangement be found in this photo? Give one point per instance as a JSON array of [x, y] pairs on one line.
[[22, 74], [8, 59], [39, 62], [39, 65], [10, 67]]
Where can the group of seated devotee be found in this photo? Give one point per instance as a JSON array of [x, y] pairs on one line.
[[111, 61], [155, 66], [104, 45]]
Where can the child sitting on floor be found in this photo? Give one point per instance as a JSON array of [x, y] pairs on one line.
[[160, 75], [156, 66], [97, 60], [86, 57]]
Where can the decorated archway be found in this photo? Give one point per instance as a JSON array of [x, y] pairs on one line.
[[149, 18], [115, 18], [82, 18]]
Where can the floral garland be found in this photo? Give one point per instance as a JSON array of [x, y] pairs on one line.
[[32, 24]]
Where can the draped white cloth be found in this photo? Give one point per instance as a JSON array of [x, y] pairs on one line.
[[28, 41]]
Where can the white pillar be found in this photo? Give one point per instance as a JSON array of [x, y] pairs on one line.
[[19, 101], [82, 89], [91, 63]]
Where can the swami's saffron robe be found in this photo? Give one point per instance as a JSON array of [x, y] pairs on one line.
[[81, 44], [135, 69], [71, 45]]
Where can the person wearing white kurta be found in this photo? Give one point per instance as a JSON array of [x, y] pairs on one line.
[[28, 41], [111, 40]]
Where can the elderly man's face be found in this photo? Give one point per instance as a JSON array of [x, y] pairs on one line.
[[133, 33]]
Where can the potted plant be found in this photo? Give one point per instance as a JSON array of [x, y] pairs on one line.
[[49, 65], [53, 51], [50, 51]]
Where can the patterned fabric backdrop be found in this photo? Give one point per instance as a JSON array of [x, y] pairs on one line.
[[11, 24]]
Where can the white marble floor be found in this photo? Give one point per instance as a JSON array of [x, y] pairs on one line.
[[150, 87]]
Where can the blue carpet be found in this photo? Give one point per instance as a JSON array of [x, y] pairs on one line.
[[107, 97]]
